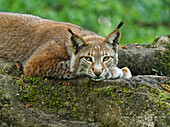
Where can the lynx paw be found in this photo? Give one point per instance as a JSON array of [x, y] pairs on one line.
[[126, 72], [115, 72]]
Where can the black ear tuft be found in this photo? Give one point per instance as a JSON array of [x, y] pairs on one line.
[[70, 31], [113, 38], [120, 25]]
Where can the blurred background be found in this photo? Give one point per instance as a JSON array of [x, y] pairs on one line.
[[144, 20]]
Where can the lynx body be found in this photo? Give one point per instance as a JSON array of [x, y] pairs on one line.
[[57, 49]]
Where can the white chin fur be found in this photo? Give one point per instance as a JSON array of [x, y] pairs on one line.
[[97, 79]]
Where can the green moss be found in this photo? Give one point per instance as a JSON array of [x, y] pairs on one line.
[[71, 101], [1, 71], [115, 93], [152, 91], [4, 100], [0, 99], [49, 94], [168, 114], [163, 63], [9, 122], [160, 98]]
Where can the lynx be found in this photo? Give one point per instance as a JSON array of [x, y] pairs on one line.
[[57, 49]]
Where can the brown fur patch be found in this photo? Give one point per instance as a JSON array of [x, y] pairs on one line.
[[47, 49]]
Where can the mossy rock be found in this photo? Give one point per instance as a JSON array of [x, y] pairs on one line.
[[110, 102], [146, 59], [143, 100]]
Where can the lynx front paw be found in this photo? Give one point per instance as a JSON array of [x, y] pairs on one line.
[[115, 72], [126, 72]]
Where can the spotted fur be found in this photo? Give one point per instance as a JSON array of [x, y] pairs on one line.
[[58, 49]]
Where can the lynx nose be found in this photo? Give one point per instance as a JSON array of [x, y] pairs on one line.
[[97, 73]]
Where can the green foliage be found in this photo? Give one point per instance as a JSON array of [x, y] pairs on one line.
[[144, 20]]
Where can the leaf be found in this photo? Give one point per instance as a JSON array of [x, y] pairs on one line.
[[123, 47], [28, 105]]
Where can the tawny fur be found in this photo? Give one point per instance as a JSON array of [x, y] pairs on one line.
[[57, 49]]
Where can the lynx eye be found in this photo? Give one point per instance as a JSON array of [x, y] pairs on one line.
[[88, 59], [106, 58]]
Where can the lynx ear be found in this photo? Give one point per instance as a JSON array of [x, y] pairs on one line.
[[78, 42], [113, 38]]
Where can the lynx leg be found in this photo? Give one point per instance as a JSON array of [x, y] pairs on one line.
[[37, 65], [49, 60]]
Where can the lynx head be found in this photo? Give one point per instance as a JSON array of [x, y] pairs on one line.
[[93, 55]]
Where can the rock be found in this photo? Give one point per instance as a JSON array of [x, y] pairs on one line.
[[13, 113], [81, 102], [146, 59], [143, 100], [162, 41]]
